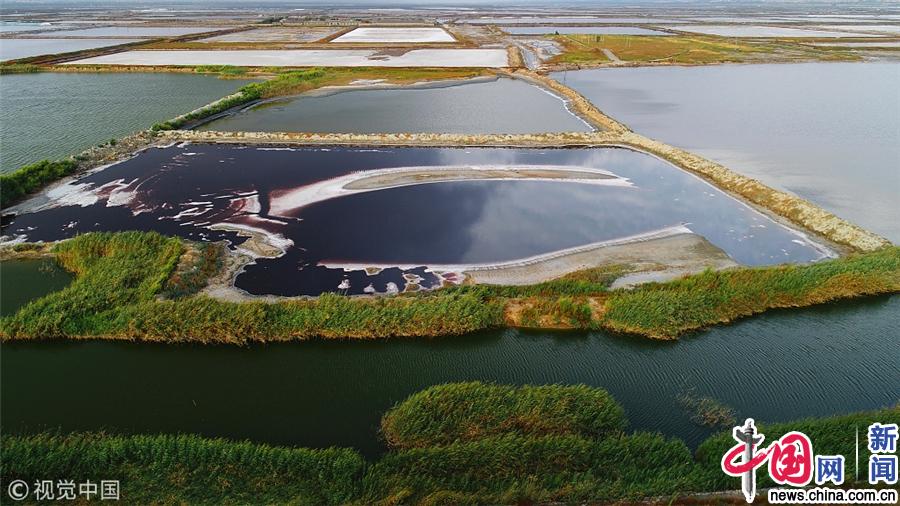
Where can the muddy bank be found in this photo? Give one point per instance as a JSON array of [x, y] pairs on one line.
[[647, 259], [658, 255]]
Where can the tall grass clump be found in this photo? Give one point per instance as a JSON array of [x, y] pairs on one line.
[[512, 468], [186, 469], [453, 412], [21, 182], [665, 310], [228, 70], [113, 270]]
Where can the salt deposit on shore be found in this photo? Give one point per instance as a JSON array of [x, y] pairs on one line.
[[651, 256], [282, 203], [399, 34], [307, 58]]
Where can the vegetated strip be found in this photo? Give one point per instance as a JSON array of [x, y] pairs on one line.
[[587, 50], [119, 277], [469, 411], [559, 459]]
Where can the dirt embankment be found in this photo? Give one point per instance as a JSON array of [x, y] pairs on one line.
[[393, 139], [795, 209]]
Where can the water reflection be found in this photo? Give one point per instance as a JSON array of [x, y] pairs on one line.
[[781, 366], [193, 190]]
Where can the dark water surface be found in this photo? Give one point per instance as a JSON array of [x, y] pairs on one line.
[[501, 106], [777, 367], [50, 116], [829, 132], [22, 281], [189, 190]]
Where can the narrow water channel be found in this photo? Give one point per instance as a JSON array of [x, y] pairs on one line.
[[780, 366]]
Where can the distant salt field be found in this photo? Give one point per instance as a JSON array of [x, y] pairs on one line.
[[480, 107], [862, 45], [600, 30], [760, 31], [571, 19], [20, 26], [309, 58], [279, 34], [402, 34], [885, 29], [13, 49], [137, 31]]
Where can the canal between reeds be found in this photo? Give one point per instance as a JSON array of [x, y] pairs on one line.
[[780, 366]]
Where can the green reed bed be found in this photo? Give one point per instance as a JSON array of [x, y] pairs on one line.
[[512, 468], [123, 280], [456, 412], [120, 275], [186, 469], [21, 182], [666, 310], [505, 464]]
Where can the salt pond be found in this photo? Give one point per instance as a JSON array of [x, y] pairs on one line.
[[52, 116], [280, 34], [480, 107], [398, 34], [816, 361], [560, 19], [19, 26], [13, 49], [880, 29], [309, 58], [210, 191], [768, 122], [600, 30], [861, 45], [138, 31], [761, 31]]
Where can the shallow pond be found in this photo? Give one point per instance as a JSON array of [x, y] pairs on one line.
[[759, 31], [24, 26], [13, 49], [51, 116], [780, 366], [501, 106], [304, 201], [22, 281], [570, 20], [600, 30], [769, 122], [138, 31]]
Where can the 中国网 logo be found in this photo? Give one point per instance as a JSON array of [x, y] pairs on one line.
[[791, 460]]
